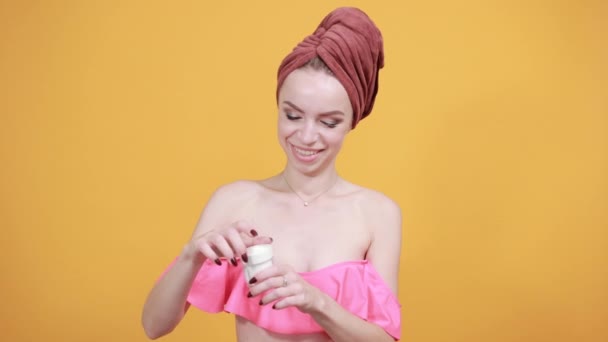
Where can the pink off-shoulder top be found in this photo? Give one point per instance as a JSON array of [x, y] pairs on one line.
[[355, 285]]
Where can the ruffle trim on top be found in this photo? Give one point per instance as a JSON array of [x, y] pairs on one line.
[[355, 285]]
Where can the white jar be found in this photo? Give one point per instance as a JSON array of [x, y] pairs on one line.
[[259, 257]]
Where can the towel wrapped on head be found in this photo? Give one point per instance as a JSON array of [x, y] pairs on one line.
[[350, 44]]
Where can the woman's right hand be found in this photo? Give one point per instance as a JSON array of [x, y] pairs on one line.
[[229, 242]]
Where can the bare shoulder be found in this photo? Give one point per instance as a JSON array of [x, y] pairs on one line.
[[379, 203], [374, 204], [227, 203], [237, 191]]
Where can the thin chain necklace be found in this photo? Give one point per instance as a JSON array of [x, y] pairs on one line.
[[308, 202]]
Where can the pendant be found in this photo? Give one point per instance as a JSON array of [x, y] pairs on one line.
[[305, 204]]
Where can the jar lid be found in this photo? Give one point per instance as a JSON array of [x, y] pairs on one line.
[[259, 253]]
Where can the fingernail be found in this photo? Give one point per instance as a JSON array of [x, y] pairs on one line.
[[249, 295], [271, 240], [244, 258], [261, 302], [218, 262], [233, 261], [254, 233], [252, 280], [274, 306]]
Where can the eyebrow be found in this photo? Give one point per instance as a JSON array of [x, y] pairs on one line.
[[322, 114]]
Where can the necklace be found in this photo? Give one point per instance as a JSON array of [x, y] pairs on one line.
[[305, 202]]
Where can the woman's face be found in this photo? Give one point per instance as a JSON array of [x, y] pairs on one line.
[[315, 115]]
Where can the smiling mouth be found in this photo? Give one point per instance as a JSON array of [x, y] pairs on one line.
[[305, 153]]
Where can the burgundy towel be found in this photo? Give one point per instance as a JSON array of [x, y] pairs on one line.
[[351, 45]]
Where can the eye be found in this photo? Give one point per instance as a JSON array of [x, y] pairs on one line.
[[290, 116], [330, 124]]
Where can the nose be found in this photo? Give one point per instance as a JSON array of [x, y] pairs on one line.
[[309, 133]]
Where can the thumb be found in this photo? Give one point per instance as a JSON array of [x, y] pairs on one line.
[[261, 240]]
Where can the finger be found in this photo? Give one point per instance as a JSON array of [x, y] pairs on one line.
[[263, 275], [236, 243], [278, 292], [222, 246], [249, 240], [259, 286], [261, 240], [209, 253], [295, 300], [246, 228], [269, 284]]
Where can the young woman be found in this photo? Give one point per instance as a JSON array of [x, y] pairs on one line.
[[336, 245]]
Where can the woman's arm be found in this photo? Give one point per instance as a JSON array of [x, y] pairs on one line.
[[343, 326], [166, 304], [213, 238]]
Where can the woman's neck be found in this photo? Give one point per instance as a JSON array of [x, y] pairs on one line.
[[307, 186]]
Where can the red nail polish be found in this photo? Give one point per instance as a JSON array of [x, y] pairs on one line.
[[218, 262], [261, 302], [252, 280], [249, 295], [233, 261], [254, 232], [244, 258], [274, 306]]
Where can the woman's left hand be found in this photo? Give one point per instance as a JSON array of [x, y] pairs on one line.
[[284, 287]]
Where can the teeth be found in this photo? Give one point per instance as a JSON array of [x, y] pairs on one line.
[[304, 152]]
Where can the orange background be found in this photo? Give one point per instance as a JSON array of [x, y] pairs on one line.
[[119, 119]]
